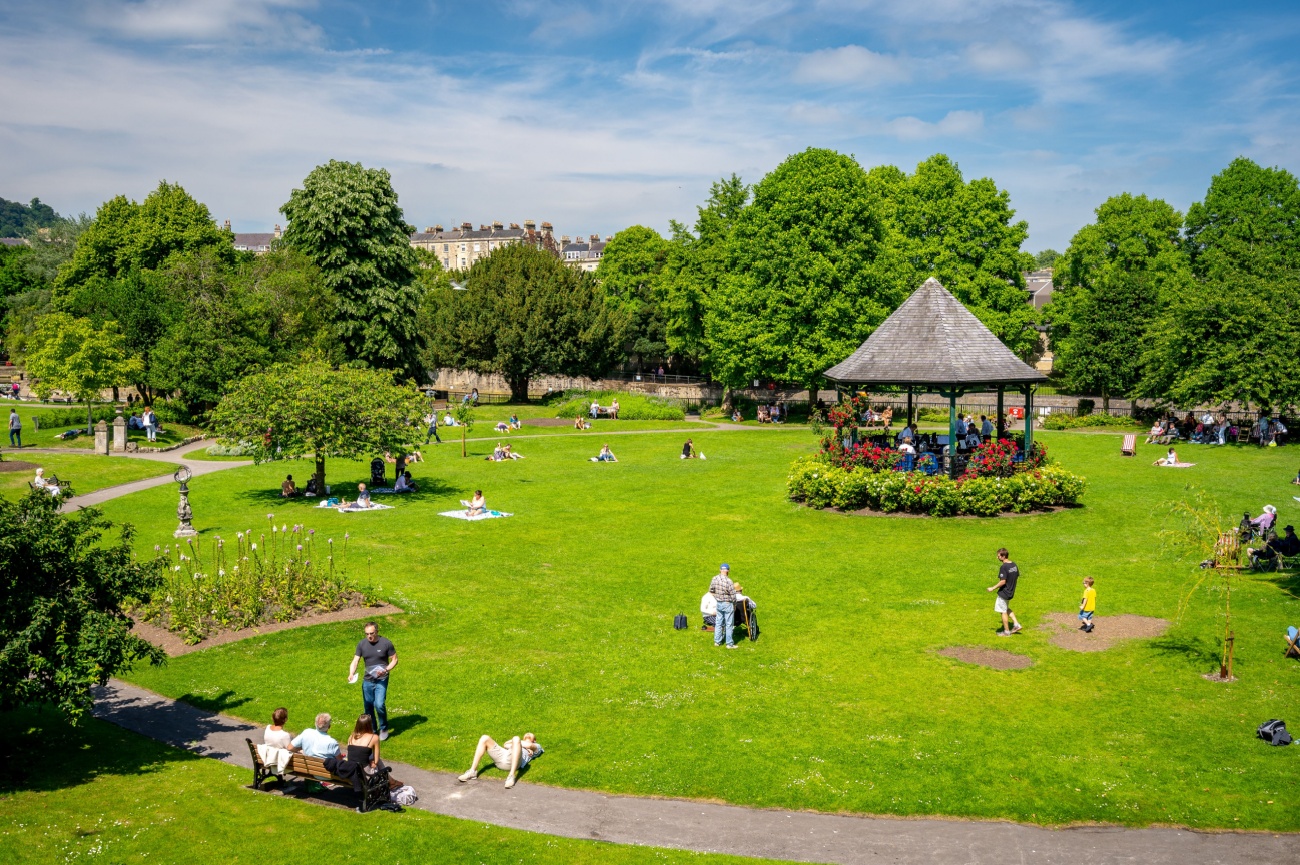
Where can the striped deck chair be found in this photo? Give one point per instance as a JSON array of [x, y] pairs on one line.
[[1129, 447]]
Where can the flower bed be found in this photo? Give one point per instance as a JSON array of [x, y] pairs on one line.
[[819, 484], [276, 580]]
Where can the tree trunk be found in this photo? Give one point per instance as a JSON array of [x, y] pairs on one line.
[[463, 452], [320, 475], [519, 388], [1105, 399], [89, 423]]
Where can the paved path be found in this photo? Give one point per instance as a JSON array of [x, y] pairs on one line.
[[176, 457], [714, 828]]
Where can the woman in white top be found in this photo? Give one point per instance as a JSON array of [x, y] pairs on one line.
[[613, 410], [275, 735], [41, 483], [1169, 459], [477, 505]]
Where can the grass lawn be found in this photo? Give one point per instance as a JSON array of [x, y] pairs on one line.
[[173, 433], [103, 794], [558, 620], [86, 471]]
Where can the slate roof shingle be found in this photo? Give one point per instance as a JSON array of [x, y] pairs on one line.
[[933, 340]]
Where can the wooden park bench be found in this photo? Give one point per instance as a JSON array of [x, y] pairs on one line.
[[52, 481], [374, 788], [1129, 447]]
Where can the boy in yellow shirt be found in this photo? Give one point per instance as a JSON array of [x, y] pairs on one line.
[[1087, 606]]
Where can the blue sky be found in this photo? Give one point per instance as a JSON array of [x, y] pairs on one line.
[[596, 116]]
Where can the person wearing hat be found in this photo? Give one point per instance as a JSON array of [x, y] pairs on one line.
[[1262, 523], [724, 593], [1284, 547]]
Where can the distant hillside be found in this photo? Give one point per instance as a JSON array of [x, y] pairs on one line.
[[16, 218]]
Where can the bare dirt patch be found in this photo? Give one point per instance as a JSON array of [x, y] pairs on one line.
[[174, 646], [17, 466], [995, 659], [1108, 631]]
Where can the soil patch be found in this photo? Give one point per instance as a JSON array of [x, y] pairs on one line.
[[17, 466], [1108, 630], [174, 646], [547, 421], [868, 512], [995, 659]]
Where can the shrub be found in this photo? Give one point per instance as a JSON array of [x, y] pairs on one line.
[[263, 581], [1060, 421], [631, 406], [57, 418], [172, 411], [239, 449], [1086, 406], [819, 484]]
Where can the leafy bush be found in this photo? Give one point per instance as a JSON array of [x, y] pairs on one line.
[[1086, 407], [1060, 420], [817, 483], [172, 411], [58, 418], [239, 449], [275, 581], [631, 406]]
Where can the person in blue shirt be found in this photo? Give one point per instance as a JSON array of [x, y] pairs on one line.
[[317, 742]]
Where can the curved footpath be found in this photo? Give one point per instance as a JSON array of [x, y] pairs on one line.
[[700, 826]]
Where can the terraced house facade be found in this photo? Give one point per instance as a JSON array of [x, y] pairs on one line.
[[458, 248]]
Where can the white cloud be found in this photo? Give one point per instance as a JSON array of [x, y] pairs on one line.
[[851, 64], [206, 20], [954, 124], [815, 115]]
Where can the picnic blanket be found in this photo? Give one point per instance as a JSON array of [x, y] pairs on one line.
[[1176, 465], [350, 509], [461, 515]]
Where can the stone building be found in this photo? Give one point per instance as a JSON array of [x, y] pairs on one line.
[[256, 241], [1039, 285], [458, 248], [583, 253]]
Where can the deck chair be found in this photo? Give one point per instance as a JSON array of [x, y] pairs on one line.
[[1129, 447], [1292, 642]]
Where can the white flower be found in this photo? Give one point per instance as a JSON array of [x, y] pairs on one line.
[[254, 546], [177, 568], [221, 572]]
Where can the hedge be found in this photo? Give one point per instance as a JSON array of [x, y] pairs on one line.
[[1060, 420], [631, 406], [818, 484]]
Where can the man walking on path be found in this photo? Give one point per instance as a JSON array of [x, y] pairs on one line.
[[724, 592], [378, 657], [15, 429], [432, 420], [1008, 575]]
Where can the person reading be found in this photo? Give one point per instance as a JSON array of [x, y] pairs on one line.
[[605, 456], [477, 505], [404, 483]]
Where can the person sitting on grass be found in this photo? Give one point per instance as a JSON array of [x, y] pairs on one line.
[[1296, 482], [363, 500], [1157, 430], [605, 456], [316, 742], [709, 611], [1169, 459], [477, 505], [510, 454], [514, 421], [288, 489], [510, 758], [579, 423], [688, 450], [735, 416], [1284, 547], [404, 483]]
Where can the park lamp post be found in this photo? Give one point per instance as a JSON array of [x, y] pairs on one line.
[[183, 512]]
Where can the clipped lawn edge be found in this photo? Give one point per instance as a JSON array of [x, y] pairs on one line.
[[174, 646]]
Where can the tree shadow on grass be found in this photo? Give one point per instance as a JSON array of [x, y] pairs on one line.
[[223, 702], [1196, 651], [70, 756], [426, 488], [1287, 581]]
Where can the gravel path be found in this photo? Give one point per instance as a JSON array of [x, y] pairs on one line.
[[710, 827]]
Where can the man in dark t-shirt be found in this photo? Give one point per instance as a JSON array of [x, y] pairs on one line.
[[1008, 576], [377, 657]]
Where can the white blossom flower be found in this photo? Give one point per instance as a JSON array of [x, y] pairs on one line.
[[254, 546]]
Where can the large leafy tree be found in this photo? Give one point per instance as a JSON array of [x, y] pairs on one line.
[[628, 273], [802, 287], [64, 581], [525, 313], [317, 412], [18, 219], [346, 219], [962, 234], [694, 263], [1230, 339], [78, 357], [1111, 284], [1249, 222], [30, 276]]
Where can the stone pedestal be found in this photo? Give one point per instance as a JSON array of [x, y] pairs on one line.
[[119, 434], [101, 438]]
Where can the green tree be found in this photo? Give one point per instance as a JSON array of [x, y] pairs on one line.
[[77, 357], [629, 271], [15, 275], [1249, 222], [19, 220], [962, 234], [126, 236], [525, 313], [347, 221], [317, 412], [1110, 285], [802, 287], [692, 267], [1229, 338], [65, 581], [1046, 258]]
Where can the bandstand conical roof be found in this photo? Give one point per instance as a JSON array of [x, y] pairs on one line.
[[932, 340]]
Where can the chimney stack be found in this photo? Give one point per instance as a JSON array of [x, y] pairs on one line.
[[529, 224], [227, 225], [564, 238], [515, 226], [546, 228], [428, 229], [277, 231], [496, 225], [467, 226], [437, 229], [595, 238]]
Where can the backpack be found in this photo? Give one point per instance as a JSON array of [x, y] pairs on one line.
[[679, 622], [404, 795], [1274, 732]]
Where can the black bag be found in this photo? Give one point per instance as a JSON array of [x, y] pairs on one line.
[[1274, 732], [679, 622]]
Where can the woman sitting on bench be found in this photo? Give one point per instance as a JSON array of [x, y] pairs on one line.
[[40, 483]]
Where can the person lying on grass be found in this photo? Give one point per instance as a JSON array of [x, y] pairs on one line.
[[510, 758], [477, 505], [502, 427], [605, 456]]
